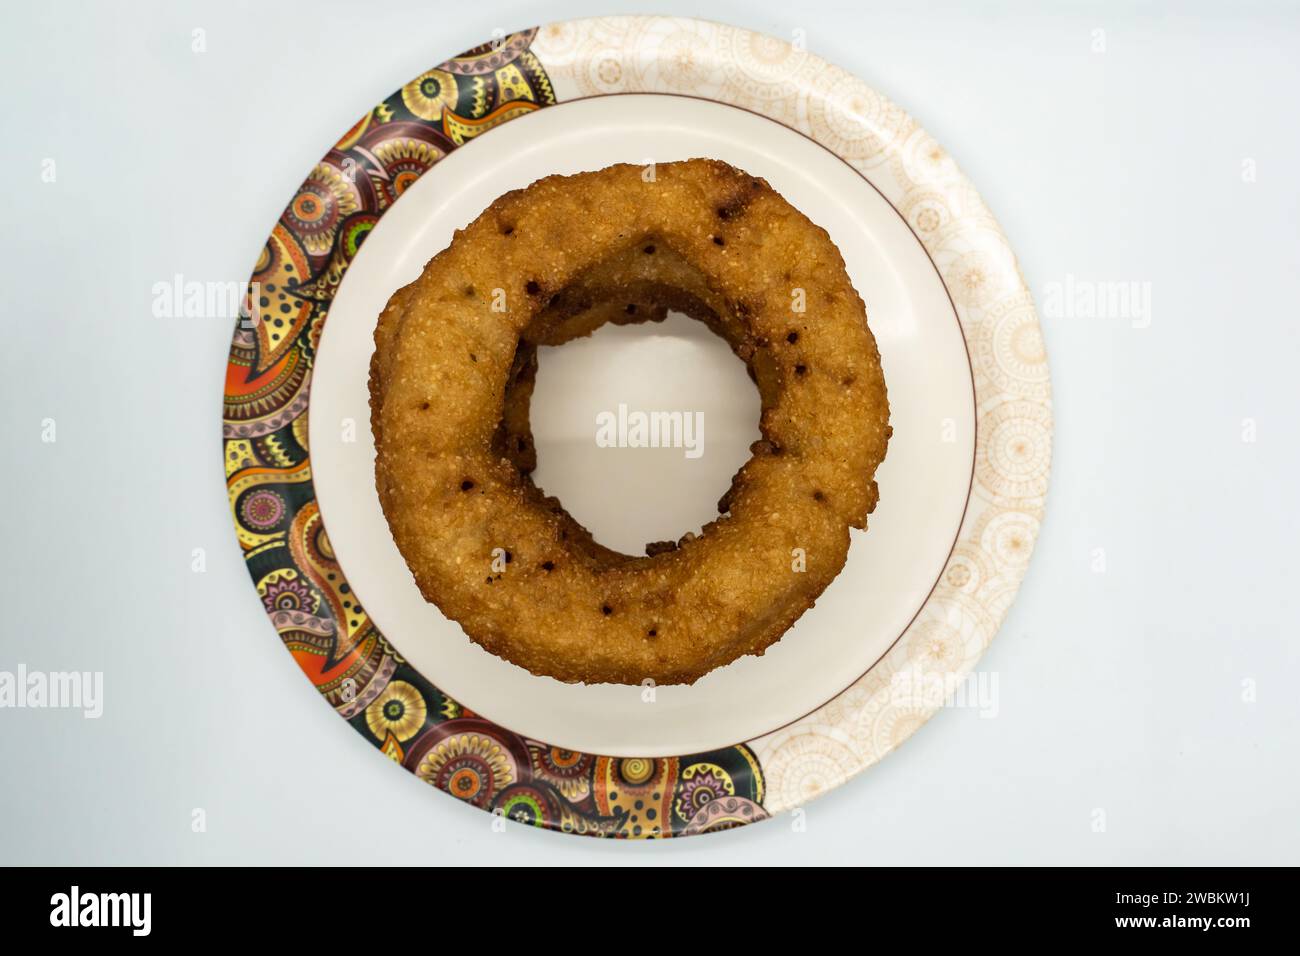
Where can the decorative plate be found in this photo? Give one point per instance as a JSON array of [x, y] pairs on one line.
[[962, 491]]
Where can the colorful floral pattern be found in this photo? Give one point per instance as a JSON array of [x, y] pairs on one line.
[[268, 468]]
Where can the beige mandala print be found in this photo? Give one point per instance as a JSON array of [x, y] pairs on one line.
[[780, 79]]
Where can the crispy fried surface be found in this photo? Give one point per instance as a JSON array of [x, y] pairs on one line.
[[452, 376]]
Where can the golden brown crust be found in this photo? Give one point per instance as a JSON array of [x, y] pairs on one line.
[[450, 382]]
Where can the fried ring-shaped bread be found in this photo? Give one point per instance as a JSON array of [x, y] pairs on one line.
[[448, 346]]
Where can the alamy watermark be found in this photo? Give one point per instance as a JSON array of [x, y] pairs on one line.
[[182, 298], [975, 691], [129, 910], [630, 428], [1075, 298], [60, 690]]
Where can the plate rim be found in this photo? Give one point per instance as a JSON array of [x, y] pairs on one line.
[[353, 665]]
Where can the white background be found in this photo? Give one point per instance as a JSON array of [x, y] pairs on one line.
[[1120, 691]]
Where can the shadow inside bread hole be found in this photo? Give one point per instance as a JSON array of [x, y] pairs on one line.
[[640, 428]]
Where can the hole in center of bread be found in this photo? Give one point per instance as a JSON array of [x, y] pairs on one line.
[[640, 428]]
